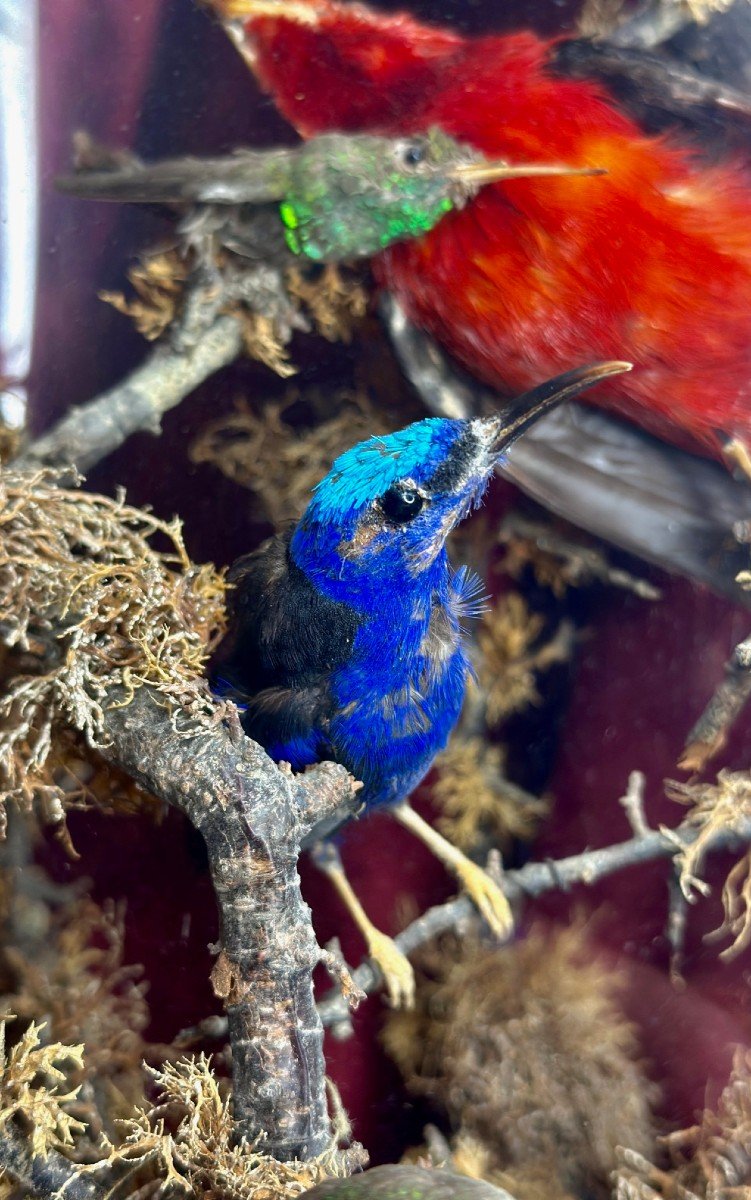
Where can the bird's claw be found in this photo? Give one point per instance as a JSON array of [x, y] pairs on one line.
[[395, 968], [490, 901]]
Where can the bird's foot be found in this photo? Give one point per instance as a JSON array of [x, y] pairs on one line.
[[485, 893], [395, 967]]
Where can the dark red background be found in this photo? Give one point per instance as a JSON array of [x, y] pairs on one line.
[[158, 76]]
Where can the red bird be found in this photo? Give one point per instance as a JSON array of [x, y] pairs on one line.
[[651, 262]]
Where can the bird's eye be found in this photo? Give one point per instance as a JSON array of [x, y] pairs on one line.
[[413, 154], [401, 504]]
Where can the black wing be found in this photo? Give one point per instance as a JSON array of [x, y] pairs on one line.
[[285, 640]]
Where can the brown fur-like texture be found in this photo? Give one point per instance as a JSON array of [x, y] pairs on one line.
[[528, 1054]]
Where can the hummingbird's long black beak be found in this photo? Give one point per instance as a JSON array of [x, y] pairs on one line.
[[501, 431]]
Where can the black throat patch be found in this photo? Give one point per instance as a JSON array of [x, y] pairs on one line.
[[456, 468]]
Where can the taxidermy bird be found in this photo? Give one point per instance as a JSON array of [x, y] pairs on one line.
[[335, 198], [654, 262], [347, 641]]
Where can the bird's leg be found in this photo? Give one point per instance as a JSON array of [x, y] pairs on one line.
[[482, 890], [393, 965]]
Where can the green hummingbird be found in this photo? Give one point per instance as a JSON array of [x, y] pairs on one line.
[[334, 198]]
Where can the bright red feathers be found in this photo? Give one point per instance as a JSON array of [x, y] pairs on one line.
[[651, 262]]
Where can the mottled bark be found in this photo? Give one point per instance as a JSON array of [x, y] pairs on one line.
[[253, 817]]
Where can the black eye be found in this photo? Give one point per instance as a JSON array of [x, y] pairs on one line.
[[413, 155], [401, 504]]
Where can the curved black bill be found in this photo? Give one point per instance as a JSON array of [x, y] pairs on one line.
[[522, 412]]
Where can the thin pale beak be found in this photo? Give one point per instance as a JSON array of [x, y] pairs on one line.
[[476, 174], [501, 431]]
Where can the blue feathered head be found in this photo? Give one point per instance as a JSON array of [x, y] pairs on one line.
[[367, 471], [387, 505]]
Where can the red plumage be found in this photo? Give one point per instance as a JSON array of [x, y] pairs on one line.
[[651, 262]]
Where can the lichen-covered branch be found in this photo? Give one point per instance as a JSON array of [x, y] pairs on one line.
[[205, 312], [253, 818]]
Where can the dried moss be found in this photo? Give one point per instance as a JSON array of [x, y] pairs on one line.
[[336, 300], [528, 1054], [88, 604], [186, 1144], [158, 281], [551, 571], [477, 801], [30, 1087], [709, 1161], [89, 995], [560, 562], [723, 805], [511, 658], [279, 460], [329, 302]]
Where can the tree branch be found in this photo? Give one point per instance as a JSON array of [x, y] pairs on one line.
[[253, 817], [731, 695], [531, 880], [89, 432]]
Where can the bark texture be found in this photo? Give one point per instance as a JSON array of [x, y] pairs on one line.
[[253, 817]]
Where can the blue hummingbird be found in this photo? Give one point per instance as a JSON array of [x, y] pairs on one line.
[[348, 640]]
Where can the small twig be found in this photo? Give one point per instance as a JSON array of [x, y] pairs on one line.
[[89, 432], [534, 879], [633, 803], [676, 929], [334, 962], [731, 695]]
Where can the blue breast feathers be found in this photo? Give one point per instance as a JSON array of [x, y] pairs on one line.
[[401, 693]]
